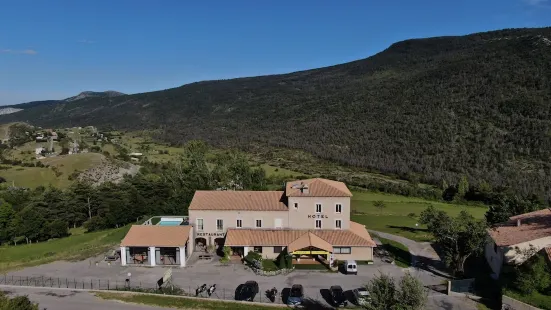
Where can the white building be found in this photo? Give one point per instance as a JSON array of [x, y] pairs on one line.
[[520, 232]]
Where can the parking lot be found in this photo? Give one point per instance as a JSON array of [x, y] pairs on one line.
[[227, 278]]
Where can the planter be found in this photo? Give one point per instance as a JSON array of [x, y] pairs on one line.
[[272, 273]]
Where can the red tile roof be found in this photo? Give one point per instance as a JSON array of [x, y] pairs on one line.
[[548, 252], [317, 188], [238, 200], [155, 235], [357, 235], [533, 225]]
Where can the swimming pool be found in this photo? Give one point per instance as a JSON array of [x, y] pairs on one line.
[[170, 223]]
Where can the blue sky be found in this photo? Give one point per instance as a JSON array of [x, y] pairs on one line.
[[55, 49]]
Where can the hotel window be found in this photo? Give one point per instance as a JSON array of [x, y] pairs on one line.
[[219, 224], [258, 223], [338, 224], [296, 205], [239, 223], [342, 250], [318, 207], [338, 208], [200, 224], [257, 249], [278, 249], [318, 224]]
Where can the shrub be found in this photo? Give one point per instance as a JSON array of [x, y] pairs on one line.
[[269, 265], [412, 215], [16, 303]]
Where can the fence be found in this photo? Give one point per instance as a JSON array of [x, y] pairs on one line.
[[462, 286], [102, 284]]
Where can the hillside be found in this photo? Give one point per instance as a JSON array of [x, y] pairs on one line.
[[478, 105]]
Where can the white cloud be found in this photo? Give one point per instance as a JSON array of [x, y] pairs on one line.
[[25, 52]]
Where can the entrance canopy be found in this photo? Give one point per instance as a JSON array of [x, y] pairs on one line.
[[304, 243], [157, 236]]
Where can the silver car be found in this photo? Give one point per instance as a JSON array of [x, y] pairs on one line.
[[361, 295]]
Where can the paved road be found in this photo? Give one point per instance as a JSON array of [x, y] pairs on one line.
[[63, 299], [421, 253]]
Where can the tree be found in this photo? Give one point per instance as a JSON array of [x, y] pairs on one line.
[[412, 294], [384, 294], [533, 275], [6, 217], [16, 303], [459, 237], [379, 205], [462, 188]]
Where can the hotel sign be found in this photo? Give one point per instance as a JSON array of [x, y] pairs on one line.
[[221, 234], [317, 216]]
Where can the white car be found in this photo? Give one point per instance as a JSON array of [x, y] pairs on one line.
[[362, 296]]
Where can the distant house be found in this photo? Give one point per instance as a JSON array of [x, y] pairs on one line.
[[135, 154], [54, 135], [40, 138], [520, 232]]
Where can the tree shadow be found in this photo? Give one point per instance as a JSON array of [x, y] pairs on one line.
[[398, 254], [313, 304], [409, 229], [237, 291]]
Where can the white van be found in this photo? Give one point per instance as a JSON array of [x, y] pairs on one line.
[[351, 267]]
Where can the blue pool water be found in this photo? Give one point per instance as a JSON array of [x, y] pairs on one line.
[[169, 223]]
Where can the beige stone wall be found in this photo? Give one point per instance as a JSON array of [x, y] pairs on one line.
[[511, 255], [305, 216], [248, 219], [357, 253]]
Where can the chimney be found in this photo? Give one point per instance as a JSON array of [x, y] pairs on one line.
[[304, 189], [518, 223]]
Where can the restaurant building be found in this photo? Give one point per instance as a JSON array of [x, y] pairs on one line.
[[309, 218]]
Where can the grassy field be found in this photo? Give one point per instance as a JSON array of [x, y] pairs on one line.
[[181, 303], [536, 299], [36, 176], [395, 219], [76, 247]]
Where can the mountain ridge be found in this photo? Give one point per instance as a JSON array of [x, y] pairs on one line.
[[439, 108]]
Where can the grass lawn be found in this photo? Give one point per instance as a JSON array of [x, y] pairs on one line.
[[276, 171], [75, 247], [30, 176], [66, 164], [394, 217], [399, 252], [181, 303]]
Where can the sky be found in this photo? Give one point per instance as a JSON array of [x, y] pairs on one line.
[[57, 48]]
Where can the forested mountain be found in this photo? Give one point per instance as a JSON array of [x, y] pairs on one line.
[[476, 105]]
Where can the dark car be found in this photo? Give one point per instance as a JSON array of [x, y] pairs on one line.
[[337, 296], [247, 291], [295, 295]]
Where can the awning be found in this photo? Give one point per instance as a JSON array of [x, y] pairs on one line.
[[307, 241]]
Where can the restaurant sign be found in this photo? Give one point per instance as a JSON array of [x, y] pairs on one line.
[[217, 234]]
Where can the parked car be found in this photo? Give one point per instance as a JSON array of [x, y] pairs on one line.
[[361, 295], [351, 267], [247, 291], [295, 295], [337, 296]]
